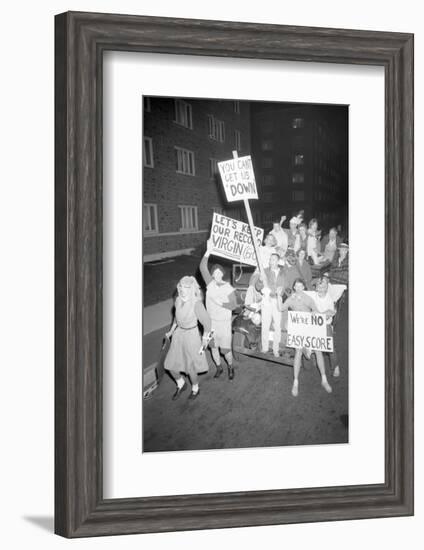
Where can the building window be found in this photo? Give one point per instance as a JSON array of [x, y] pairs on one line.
[[147, 104], [184, 161], [237, 140], [267, 145], [148, 152], [150, 218], [236, 105], [298, 177], [298, 123], [298, 196], [213, 168], [183, 114], [266, 162], [268, 180], [299, 160], [216, 129], [188, 218]]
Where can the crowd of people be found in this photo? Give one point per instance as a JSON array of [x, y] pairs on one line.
[[299, 271]]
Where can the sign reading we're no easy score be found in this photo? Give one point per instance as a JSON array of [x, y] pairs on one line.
[[308, 330], [238, 178]]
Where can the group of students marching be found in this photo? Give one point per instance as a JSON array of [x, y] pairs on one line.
[[288, 257]]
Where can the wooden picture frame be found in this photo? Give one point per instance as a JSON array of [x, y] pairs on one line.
[[81, 39]]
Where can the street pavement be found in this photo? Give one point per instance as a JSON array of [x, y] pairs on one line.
[[256, 409]]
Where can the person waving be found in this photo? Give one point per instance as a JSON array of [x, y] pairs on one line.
[[220, 301]]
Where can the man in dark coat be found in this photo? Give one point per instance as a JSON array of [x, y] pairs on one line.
[[339, 270]]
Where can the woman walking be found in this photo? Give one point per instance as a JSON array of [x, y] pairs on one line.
[[297, 301], [183, 357]]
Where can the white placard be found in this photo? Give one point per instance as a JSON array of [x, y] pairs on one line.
[[308, 330], [232, 239], [238, 178]]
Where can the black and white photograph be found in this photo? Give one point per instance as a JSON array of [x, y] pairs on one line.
[[210, 263], [245, 274]]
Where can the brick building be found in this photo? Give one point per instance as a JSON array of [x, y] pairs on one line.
[[183, 141], [300, 155]]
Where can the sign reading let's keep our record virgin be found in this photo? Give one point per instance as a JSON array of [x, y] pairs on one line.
[[238, 178], [232, 239]]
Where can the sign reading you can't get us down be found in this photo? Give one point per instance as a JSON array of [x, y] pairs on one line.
[[238, 178]]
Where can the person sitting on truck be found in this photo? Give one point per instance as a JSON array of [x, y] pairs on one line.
[[291, 271], [339, 270], [280, 236], [303, 238], [293, 237], [253, 298], [313, 244], [304, 269], [220, 302], [330, 244]]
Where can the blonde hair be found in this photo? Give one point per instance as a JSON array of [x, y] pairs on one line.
[[190, 281]]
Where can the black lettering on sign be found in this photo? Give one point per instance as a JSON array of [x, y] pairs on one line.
[[317, 320]]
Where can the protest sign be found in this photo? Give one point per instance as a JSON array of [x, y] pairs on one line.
[[238, 178], [232, 239], [308, 330]]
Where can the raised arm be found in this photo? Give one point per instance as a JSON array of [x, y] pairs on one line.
[[204, 264]]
